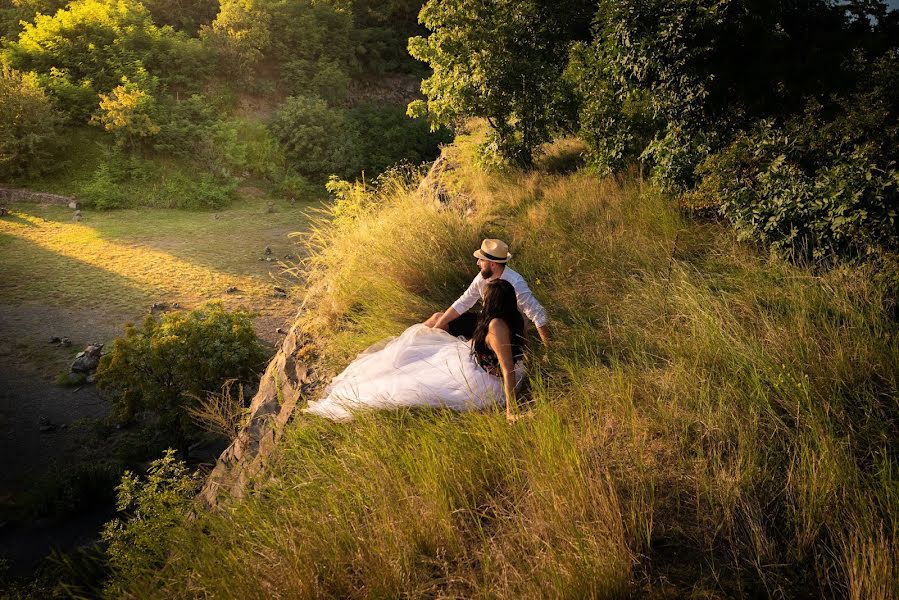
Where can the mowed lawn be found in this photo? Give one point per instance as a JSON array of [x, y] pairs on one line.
[[112, 266]]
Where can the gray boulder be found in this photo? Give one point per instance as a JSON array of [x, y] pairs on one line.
[[88, 360]]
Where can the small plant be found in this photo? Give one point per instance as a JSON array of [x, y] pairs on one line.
[[153, 507], [222, 413]]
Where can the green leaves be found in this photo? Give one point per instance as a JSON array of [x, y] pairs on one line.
[[157, 366]]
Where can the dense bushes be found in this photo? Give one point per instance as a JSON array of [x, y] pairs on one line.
[[154, 367], [386, 136], [152, 508], [29, 125], [317, 139]]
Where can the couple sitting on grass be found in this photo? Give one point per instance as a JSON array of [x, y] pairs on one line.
[[455, 359]]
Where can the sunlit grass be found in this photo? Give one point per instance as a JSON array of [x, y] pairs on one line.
[[126, 260], [711, 422]]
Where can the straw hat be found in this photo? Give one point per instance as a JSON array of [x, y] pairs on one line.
[[495, 250]]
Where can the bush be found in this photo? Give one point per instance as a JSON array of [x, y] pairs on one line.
[[124, 180], [29, 125], [158, 366], [318, 140], [154, 508], [817, 187], [387, 136]]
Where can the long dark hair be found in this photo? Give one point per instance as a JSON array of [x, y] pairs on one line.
[[500, 302]]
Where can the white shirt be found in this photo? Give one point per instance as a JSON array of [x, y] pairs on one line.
[[527, 303]]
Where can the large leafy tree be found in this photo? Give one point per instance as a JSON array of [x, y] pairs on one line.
[[502, 61]]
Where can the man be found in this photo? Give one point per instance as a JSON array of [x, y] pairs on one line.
[[492, 258]]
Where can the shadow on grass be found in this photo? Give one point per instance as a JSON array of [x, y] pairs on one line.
[[14, 218], [34, 274]]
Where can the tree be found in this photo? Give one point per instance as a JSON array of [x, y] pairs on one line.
[[502, 61], [158, 366], [318, 140], [86, 49], [29, 125], [128, 113]]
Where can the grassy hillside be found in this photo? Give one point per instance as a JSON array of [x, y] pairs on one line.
[[709, 422]]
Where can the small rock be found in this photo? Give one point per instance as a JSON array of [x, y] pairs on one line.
[[293, 202], [175, 305], [281, 331], [74, 204], [3, 211], [90, 378], [88, 360], [267, 251], [65, 342], [76, 216], [279, 290], [231, 290], [269, 259], [159, 306], [44, 425], [54, 340], [288, 256], [270, 207], [216, 217]]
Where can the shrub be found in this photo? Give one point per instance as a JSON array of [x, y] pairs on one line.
[[92, 44], [797, 190], [318, 140], [156, 366], [387, 136], [128, 112], [154, 507], [29, 125]]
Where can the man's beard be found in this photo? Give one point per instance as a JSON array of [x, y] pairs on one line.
[[487, 272]]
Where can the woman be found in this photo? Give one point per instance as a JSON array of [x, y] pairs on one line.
[[430, 367]]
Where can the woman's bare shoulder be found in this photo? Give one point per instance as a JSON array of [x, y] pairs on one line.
[[498, 326]]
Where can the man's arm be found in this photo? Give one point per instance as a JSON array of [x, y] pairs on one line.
[[448, 316], [533, 310]]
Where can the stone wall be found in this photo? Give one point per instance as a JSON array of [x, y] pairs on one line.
[[8, 194]]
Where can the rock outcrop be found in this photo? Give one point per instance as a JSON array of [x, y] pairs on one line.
[[286, 380]]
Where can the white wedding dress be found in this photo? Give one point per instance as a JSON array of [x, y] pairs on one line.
[[422, 367]]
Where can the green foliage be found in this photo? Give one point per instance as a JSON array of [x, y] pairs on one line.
[[381, 31], [128, 112], [318, 140], [92, 44], [484, 66], [15, 11], [29, 126], [125, 180], [155, 365], [764, 184], [185, 15], [154, 507], [387, 136]]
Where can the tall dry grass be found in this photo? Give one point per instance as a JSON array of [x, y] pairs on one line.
[[712, 422]]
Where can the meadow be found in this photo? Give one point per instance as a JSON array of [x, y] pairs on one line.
[[709, 421]]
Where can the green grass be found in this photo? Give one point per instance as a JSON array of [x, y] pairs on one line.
[[712, 422]]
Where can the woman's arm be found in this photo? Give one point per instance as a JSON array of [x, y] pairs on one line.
[[500, 341]]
